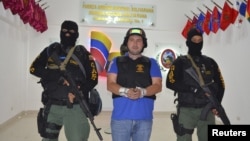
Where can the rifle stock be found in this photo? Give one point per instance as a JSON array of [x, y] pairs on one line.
[[83, 104], [213, 102]]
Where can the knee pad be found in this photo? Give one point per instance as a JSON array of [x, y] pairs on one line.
[[52, 131]]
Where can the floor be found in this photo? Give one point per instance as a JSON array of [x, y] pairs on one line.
[[23, 128]]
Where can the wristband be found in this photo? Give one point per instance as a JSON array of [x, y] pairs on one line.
[[143, 91], [123, 91]]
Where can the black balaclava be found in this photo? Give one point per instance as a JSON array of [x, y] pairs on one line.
[[194, 49], [69, 41]]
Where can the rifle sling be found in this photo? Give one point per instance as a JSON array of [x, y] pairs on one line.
[[197, 69], [79, 63], [61, 65]]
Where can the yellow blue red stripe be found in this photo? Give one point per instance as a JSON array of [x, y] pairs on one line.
[[99, 48]]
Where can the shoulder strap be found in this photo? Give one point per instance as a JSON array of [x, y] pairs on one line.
[[61, 65], [197, 69], [79, 63], [64, 63]]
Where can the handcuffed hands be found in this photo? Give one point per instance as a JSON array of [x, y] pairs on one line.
[[132, 93]]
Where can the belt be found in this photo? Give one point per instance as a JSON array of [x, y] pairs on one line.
[[192, 106], [61, 102]]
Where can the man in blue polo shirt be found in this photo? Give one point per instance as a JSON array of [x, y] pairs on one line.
[[134, 81]]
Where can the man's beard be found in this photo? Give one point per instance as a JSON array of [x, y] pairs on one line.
[[134, 52]]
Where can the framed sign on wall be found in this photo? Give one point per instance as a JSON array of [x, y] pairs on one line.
[[166, 54]]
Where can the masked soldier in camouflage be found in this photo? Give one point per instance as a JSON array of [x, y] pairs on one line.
[[192, 98], [61, 108]]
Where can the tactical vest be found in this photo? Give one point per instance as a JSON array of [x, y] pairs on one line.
[[134, 73], [189, 99], [54, 88]]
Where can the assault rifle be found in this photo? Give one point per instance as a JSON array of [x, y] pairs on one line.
[[73, 87], [214, 103], [83, 104]]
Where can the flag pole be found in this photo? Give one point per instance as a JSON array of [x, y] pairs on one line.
[[194, 14], [188, 17], [230, 2], [46, 7], [38, 1], [208, 8], [43, 4], [216, 4], [201, 11]]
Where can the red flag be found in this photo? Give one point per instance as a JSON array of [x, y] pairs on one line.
[[215, 20], [234, 11], [39, 20], [8, 3], [241, 7], [206, 23], [38, 25], [28, 11], [194, 22], [226, 18], [248, 11], [187, 27], [17, 6], [34, 20], [43, 21]]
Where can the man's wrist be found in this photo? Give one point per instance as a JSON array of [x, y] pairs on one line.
[[143, 91], [123, 91]]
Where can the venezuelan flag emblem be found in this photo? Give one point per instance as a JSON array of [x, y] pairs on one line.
[[100, 46]]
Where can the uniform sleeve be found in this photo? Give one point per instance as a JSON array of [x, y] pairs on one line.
[[38, 66], [91, 72], [218, 79], [175, 77]]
